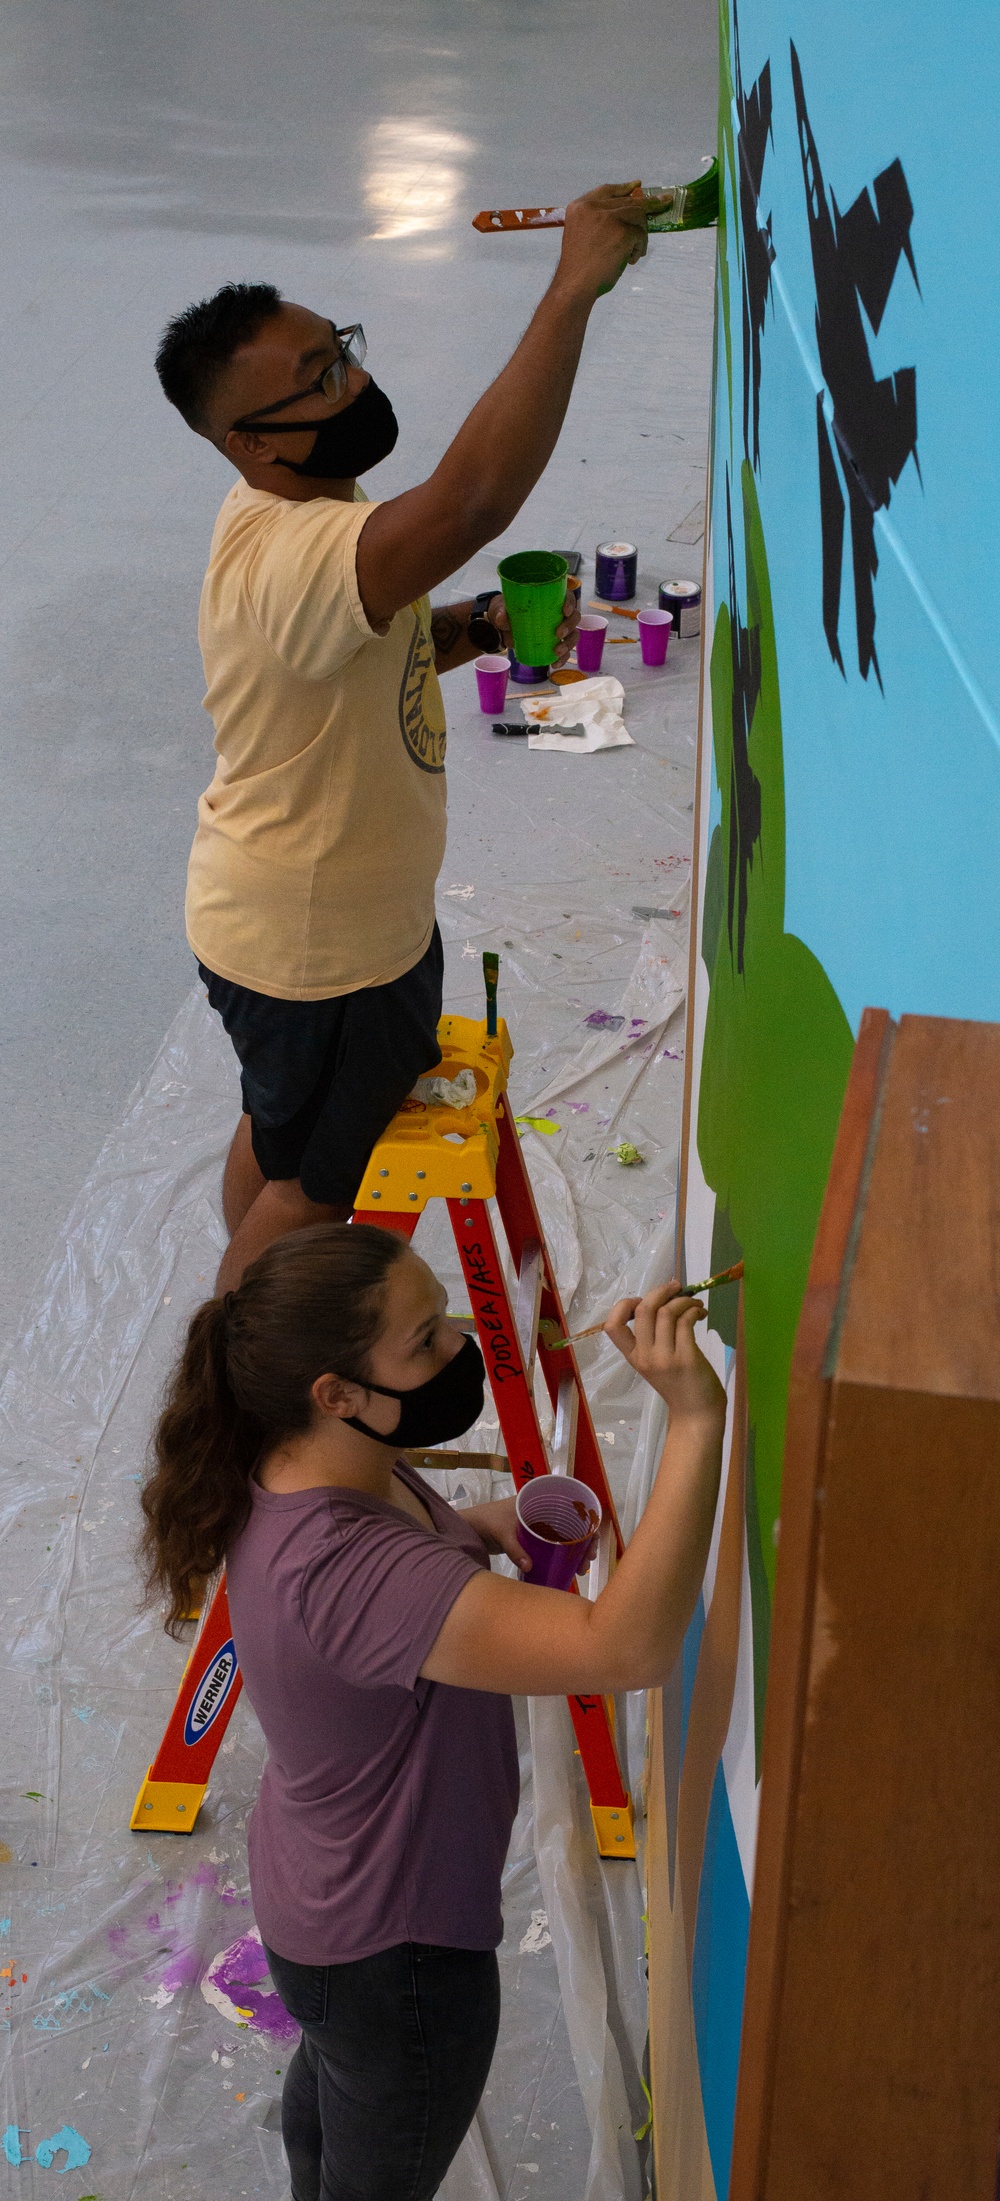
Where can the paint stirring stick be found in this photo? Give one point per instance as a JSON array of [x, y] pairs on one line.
[[555, 1344], [601, 603], [491, 973]]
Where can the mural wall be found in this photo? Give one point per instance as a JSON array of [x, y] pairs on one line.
[[848, 816]]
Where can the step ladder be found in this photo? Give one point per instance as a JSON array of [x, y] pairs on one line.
[[465, 1156]]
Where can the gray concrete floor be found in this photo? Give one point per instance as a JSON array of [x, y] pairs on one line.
[[147, 155]]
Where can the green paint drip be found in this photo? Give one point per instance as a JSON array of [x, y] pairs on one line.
[[760, 1600], [491, 974], [725, 1302]]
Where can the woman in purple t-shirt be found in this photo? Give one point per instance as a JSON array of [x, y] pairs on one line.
[[379, 1653]]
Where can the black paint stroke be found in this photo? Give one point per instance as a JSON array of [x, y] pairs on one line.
[[855, 258], [831, 520], [754, 111], [744, 788]]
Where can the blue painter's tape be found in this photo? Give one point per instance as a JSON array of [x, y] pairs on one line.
[[68, 2139], [211, 1693], [4, 1926], [718, 1977]]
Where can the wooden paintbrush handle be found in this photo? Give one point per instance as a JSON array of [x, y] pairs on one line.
[[708, 1284], [519, 217]]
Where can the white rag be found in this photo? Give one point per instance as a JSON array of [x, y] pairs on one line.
[[439, 1092], [596, 705]]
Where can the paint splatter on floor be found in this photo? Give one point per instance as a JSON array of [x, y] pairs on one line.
[[231, 1985], [67, 2141]]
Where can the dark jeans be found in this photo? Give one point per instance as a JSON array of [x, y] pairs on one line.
[[394, 2056]]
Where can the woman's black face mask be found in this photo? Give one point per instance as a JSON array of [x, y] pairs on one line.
[[351, 441], [443, 1407]]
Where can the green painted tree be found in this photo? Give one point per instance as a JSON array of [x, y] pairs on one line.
[[777, 1043]]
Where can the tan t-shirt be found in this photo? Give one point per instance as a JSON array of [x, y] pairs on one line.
[[321, 837]]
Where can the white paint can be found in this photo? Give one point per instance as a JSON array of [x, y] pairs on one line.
[[683, 601]]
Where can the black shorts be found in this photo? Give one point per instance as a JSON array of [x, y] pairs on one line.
[[322, 1079]]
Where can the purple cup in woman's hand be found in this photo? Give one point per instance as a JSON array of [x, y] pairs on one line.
[[492, 675], [558, 1522]]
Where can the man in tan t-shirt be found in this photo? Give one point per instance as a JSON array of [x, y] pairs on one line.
[[310, 902]]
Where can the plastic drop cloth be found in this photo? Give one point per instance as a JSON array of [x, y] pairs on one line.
[[128, 2063]]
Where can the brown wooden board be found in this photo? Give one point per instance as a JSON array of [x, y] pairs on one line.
[[871, 2045]]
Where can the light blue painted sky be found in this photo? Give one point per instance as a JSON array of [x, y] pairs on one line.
[[893, 803]]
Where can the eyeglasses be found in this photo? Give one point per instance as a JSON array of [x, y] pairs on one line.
[[331, 384]]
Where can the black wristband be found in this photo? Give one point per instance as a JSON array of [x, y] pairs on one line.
[[481, 629]]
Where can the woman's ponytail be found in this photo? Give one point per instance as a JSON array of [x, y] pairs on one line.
[[205, 1449], [311, 1305]]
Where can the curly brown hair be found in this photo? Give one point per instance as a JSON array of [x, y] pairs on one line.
[[310, 1306]]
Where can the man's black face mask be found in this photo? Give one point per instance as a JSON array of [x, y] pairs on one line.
[[351, 441]]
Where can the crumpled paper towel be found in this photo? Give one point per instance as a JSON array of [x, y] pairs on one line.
[[596, 705], [439, 1092]]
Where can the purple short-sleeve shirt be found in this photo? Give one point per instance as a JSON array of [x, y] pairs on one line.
[[387, 1802]]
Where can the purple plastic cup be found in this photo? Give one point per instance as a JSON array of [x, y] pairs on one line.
[[572, 1513], [529, 675], [590, 642], [492, 675], [654, 634]]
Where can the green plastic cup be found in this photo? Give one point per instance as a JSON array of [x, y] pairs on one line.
[[534, 591]]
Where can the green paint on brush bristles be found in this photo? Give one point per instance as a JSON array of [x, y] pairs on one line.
[[692, 205]]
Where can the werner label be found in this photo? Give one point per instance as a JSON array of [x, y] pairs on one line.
[[211, 1693]]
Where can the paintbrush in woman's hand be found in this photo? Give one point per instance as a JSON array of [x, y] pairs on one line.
[[548, 1330]]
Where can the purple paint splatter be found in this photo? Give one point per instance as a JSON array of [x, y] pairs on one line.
[[182, 1971], [236, 1974], [603, 1021]]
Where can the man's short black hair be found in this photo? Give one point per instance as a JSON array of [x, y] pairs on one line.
[[201, 341]]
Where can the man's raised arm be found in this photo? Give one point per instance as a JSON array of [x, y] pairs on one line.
[[413, 542]]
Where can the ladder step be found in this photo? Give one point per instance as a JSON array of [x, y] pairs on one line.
[[497, 1462], [564, 1440], [600, 1566], [528, 1303]]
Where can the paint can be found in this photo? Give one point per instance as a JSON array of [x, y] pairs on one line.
[[617, 567], [683, 601]]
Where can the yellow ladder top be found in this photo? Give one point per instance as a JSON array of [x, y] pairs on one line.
[[433, 1152]]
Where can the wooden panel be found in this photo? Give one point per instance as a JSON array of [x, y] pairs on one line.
[[887, 2071], [929, 1255], [793, 1596], [871, 2059]]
